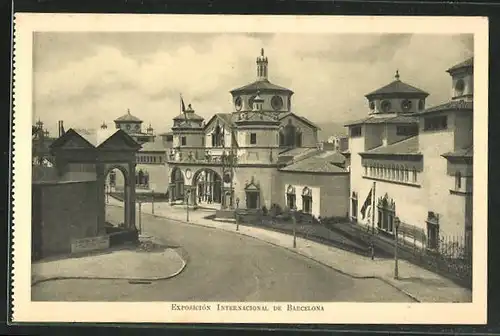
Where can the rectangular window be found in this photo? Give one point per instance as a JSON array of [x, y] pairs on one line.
[[253, 138], [354, 205], [183, 141], [355, 131], [366, 170], [407, 130], [458, 180], [435, 123]]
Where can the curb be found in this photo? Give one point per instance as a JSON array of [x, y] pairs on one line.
[[179, 271], [411, 296]]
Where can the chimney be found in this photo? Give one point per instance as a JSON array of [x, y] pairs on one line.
[[61, 127]]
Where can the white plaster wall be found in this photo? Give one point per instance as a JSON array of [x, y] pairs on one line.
[[316, 198]]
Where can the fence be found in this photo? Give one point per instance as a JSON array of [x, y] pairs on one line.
[[452, 258]]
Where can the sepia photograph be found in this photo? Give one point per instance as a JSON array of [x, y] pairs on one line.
[[267, 172]]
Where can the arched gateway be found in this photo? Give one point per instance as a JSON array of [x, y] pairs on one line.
[[105, 151]]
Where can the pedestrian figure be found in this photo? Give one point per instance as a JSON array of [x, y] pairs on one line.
[[372, 250]]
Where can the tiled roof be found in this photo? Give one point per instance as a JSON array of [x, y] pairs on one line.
[[386, 119], [153, 146], [96, 137], [128, 118], [465, 64], [315, 164], [304, 119], [229, 118], [189, 116], [453, 105], [397, 86], [463, 152], [261, 85], [332, 156], [407, 146]]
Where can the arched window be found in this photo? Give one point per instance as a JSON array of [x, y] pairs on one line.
[[397, 173], [217, 136], [298, 137], [290, 197], [386, 213], [307, 200], [406, 174], [281, 137], [414, 175], [366, 170]]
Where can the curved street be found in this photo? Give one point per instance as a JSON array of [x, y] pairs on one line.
[[225, 266]]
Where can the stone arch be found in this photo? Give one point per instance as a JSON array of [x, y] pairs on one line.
[[177, 185], [207, 186]]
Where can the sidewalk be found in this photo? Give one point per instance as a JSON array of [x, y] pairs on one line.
[[420, 284], [150, 261]]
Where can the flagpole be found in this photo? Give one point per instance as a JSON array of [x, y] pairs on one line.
[[373, 209]]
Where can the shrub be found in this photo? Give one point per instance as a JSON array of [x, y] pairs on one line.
[[264, 210]]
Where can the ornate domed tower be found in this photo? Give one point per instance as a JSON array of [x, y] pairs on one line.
[[396, 97], [276, 99]]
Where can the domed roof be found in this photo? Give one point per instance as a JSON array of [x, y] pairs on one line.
[[469, 63], [128, 118], [397, 87], [260, 85]]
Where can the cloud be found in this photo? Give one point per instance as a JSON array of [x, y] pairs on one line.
[[85, 79]]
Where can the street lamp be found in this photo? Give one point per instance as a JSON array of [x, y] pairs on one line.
[[187, 205], [140, 217], [236, 214], [396, 226], [152, 201], [294, 220]]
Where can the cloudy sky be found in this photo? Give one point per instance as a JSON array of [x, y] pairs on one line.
[[87, 78]]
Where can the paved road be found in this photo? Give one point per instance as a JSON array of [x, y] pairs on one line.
[[224, 266]]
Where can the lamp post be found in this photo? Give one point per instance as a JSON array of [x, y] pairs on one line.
[[236, 214], [140, 218], [187, 205], [152, 201], [294, 220], [396, 270]]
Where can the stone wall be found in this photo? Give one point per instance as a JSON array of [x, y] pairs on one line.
[[62, 211], [330, 193]]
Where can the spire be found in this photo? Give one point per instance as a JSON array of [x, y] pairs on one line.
[[262, 66], [397, 75], [104, 126]]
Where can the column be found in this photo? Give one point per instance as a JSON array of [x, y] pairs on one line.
[[131, 196], [101, 201]]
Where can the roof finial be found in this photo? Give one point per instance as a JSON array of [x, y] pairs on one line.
[[128, 111], [397, 75], [261, 51]]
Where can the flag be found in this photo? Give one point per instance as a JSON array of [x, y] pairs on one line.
[[368, 202], [183, 107]]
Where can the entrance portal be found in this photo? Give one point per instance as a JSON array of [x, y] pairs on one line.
[[208, 185]]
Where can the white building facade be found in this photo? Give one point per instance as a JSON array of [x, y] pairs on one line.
[[418, 160]]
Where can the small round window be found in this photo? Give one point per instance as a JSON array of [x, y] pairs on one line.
[[372, 105], [406, 105], [128, 127], [385, 106], [277, 103]]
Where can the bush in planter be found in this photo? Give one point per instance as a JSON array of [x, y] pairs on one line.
[[275, 210]]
